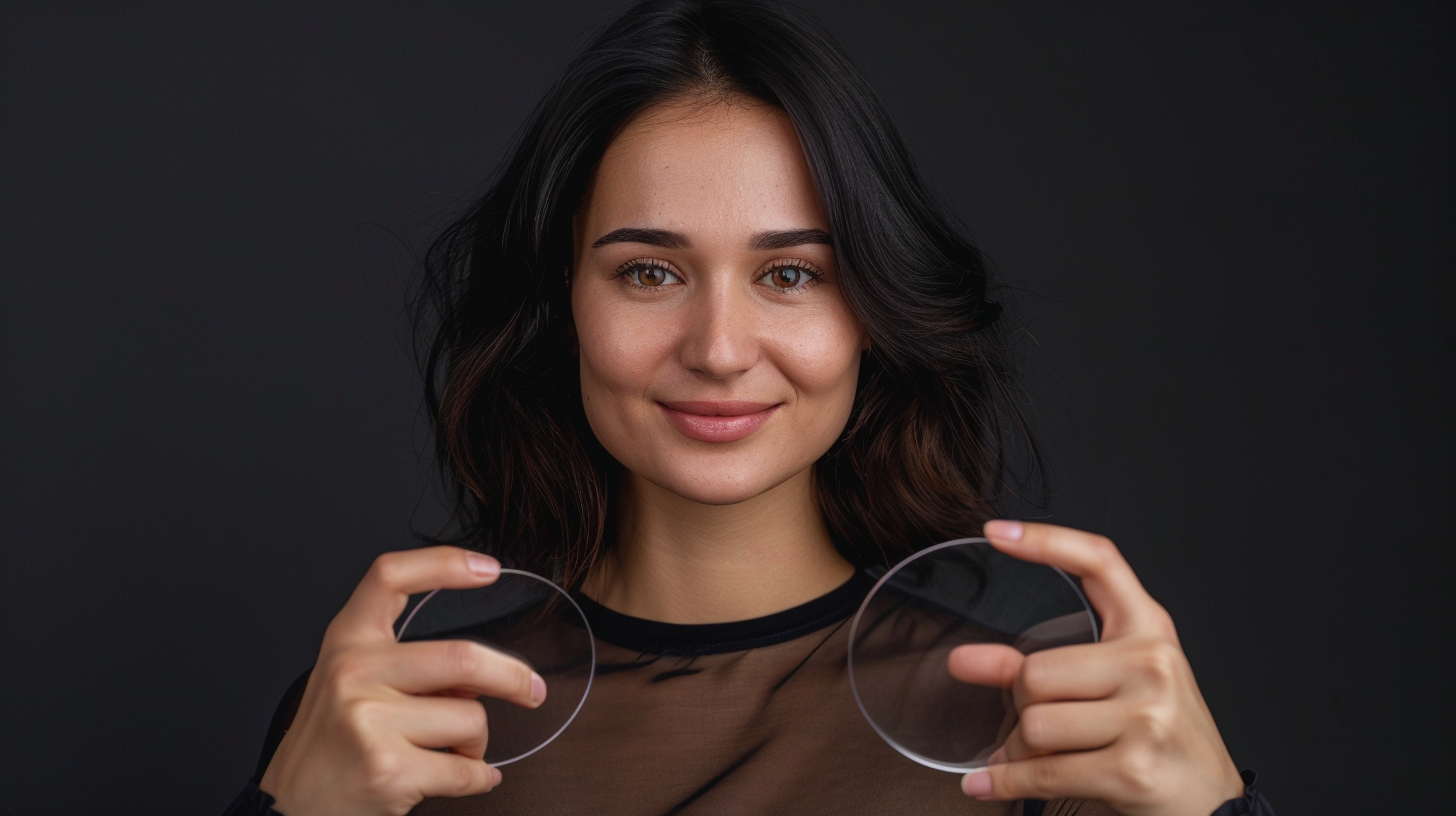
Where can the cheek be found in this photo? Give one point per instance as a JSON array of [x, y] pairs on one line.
[[822, 363], [821, 356], [619, 353]]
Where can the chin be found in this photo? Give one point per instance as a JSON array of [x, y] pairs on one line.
[[718, 487]]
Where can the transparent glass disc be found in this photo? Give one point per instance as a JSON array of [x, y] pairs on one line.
[[956, 593], [530, 618]]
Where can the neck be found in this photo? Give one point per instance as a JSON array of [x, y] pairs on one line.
[[679, 561]]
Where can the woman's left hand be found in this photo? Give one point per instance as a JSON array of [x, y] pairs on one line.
[[1121, 720]]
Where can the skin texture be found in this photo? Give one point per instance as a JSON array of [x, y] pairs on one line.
[[729, 529], [712, 531]]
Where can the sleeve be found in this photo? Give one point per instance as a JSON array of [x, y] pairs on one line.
[[1252, 803], [252, 801]]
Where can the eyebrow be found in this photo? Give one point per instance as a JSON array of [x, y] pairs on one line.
[[770, 239]]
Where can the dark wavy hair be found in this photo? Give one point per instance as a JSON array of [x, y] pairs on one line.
[[924, 455]]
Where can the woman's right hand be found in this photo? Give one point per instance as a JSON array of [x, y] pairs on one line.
[[373, 708]]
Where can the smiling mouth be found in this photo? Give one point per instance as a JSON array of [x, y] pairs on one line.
[[727, 421]]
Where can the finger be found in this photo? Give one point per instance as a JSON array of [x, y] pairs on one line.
[[1084, 671], [470, 749], [431, 666], [381, 596], [1059, 776], [1048, 728], [985, 664], [441, 774], [440, 722], [1110, 584]]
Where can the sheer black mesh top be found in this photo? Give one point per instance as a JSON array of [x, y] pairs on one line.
[[750, 717]]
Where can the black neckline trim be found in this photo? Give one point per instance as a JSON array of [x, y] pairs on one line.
[[657, 637]]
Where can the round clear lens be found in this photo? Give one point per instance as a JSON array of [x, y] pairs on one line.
[[530, 618], [953, 594]]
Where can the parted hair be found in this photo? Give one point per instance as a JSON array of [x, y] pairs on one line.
[[924, 454]]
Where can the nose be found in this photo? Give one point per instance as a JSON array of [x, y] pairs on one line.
[[719, 338]]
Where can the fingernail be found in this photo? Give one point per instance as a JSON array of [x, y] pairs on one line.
[[977, 784], [997, 758], [538, 689], [497, 774], [483, 565], [1004, 530]]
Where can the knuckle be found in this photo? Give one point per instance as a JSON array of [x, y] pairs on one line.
[[1104, 552], [387, 569], [479, 720], [383, 772], [1045, 778], [1035, 727], [523, 681], [513, 679], [1035, 671], [363, 715], [1156, 723], [462, 657], [1163, 620], [342, 672], [464, 777], [1137, 770], [1159, 662]]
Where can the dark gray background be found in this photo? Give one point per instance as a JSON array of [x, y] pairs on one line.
[[1235, 223]]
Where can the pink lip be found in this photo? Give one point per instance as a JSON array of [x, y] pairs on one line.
[[726, 421]]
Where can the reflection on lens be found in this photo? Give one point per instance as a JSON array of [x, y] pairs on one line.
[[529, 618], [956, 593]]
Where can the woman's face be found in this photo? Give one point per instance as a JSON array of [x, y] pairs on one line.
[[718, 355]]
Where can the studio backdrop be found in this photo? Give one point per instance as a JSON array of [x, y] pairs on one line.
[[1228, 226]]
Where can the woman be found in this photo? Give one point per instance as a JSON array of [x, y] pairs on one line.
[[702, 353]]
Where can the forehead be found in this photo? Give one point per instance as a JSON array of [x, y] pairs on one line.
[[724, 166]]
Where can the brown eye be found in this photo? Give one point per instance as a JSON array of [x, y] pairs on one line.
[[649, 275], [790, 278], [786, 277]]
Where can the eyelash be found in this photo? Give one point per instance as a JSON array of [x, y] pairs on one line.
[[814, 275]]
